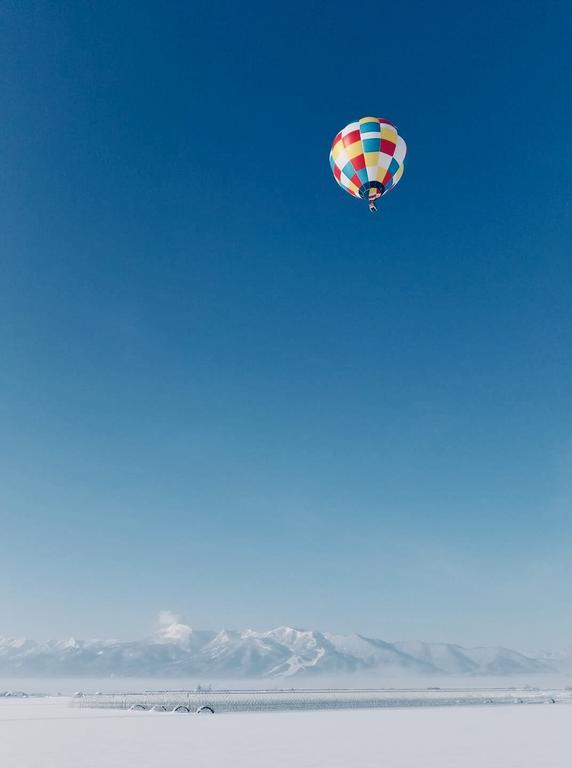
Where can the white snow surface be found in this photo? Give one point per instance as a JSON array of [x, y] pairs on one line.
[[47, 733]]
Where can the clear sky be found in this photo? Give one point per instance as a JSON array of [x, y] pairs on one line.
[[228, 390]]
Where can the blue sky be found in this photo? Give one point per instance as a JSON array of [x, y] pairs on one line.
[[225, 388]]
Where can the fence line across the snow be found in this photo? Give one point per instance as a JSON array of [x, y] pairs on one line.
[[308, 699]]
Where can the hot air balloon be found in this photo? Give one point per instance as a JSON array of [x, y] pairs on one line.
[[367, 158]]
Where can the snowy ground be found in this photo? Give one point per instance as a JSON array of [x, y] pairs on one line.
[[48, 733]]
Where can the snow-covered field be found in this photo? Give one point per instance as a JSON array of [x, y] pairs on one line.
[[48, 733]]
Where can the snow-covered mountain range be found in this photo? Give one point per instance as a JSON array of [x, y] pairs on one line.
[[179, 650]]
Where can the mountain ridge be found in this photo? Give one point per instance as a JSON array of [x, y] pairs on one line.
[[178, 650]]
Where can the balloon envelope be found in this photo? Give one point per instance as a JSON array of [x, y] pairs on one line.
[[367, 158]]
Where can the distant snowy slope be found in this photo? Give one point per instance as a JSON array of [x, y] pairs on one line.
[[443, 656], [562, 660], [490, 660], [178, 650], [376, 654], [503, 661]]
